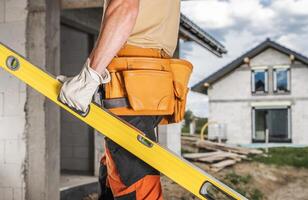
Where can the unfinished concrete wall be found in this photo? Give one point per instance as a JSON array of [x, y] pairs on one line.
[[76, 136], [42, 130], [299, 108], [230, 98], [237, 118], [81, 23], [13, 18]]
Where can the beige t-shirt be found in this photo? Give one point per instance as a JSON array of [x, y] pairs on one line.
[[157, 25]]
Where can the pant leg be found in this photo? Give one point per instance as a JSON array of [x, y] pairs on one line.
[[129, 177], [104, 190]]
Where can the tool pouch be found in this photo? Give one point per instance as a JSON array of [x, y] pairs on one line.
[[150, 91], [181, 71], [151, 86]]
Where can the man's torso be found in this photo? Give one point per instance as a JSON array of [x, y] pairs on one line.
[[157, 25]]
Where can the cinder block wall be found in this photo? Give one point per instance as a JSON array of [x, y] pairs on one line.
[[13, 16]]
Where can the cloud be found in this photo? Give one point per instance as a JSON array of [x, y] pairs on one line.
[[295, 41], [240, 25], [213, 10], [291, 7]]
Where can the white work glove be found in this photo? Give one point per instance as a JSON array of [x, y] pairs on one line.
[[77, 92]]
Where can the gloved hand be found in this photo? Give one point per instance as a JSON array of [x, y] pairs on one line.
[[77, 92]]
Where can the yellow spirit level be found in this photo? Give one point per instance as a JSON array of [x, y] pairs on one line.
[[179, 170]]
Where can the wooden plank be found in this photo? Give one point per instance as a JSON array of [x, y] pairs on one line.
[[221, 165], [196, 156], [190, 138], [220, 157], [219, 146]]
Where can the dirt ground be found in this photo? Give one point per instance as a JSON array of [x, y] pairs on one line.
[[275, 183]]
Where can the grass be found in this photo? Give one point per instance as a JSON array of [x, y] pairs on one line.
[[237, 179], [240, 184], [285, 156]]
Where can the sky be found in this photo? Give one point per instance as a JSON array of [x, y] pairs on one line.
[[240, 25]]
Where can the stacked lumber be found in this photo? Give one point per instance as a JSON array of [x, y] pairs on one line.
[[189, 144], [204, 144], [217, 155]]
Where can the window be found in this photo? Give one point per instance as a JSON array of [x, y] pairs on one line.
[[274, 121], [259, 81], [281, 80]]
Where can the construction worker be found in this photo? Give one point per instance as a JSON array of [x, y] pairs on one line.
[[130, 28]]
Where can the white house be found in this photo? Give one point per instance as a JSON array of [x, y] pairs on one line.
[[263, 91]]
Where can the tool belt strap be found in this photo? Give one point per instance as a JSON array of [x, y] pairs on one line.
[[115, 103], [134, 51], [135, 63]]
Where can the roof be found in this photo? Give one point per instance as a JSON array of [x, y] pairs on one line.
[[191, 31], [199, 87]]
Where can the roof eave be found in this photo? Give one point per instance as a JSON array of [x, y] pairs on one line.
[[190, 30]]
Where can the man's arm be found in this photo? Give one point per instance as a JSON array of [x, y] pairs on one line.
[[117, 25]]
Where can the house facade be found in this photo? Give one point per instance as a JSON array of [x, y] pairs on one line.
[[261, 96]]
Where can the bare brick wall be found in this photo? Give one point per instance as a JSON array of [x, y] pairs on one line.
[[13, 14]]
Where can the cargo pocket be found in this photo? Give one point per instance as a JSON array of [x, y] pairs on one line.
[[150, 90]]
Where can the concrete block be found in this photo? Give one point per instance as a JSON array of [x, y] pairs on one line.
[[22, 87], [18, 194], [12, 127], [15, 151], [12, 174], [1, 104], [79, 127], [74, 164], [66, 127], [15, 10], [66, 116], [81, 138], [2, 11], [81, 152], [67, 152], [170, 137], [6, 193], [22, 98], [8, 83], [13, 34], [67, 139], [2, 146], [14, 104]]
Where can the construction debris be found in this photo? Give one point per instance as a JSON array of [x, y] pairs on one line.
[[217, 155]]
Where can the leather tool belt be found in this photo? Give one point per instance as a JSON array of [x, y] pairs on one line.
[[148, 84]]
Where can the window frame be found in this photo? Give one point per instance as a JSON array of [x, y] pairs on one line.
[[275, 89], [266, 79], [253, 125]]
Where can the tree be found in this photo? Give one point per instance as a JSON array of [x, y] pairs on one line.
[[188, 117]]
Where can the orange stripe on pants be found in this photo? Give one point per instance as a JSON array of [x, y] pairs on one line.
[[147, 188]]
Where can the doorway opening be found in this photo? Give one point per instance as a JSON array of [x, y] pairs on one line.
[[77, 138], [274, 121]]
